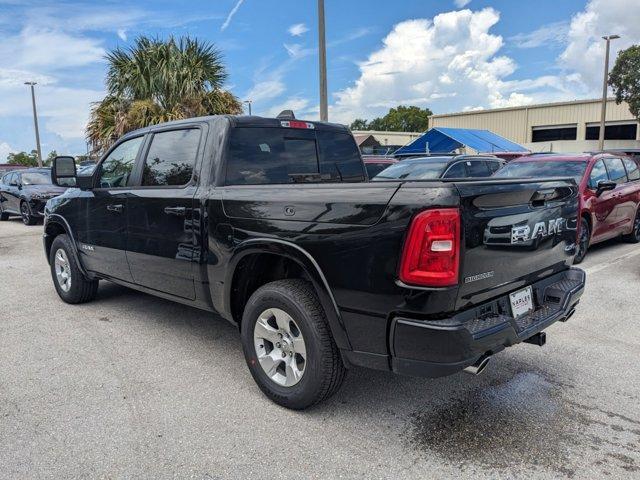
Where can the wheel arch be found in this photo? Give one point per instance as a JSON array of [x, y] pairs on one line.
[[56, 225], [275, 260]]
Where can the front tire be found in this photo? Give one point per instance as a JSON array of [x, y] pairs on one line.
[[583, 241], [288, 345], [634, 236], [72, 286], [25, 213]]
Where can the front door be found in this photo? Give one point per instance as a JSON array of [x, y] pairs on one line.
[[161, 246], [102, 232]]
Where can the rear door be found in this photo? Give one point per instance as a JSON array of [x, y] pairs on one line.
[[161, 244], [515, 232]]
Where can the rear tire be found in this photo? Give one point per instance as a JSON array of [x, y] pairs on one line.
[[583, 241], [4, 216], [270, 346], [25, 213], [634, 236], [72, 286]]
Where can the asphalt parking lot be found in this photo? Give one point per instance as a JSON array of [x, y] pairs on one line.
[[132, 386]]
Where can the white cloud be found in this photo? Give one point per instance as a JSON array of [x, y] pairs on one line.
[[461, 3], [300, 107], [298, 29], [584, 53], [451, 60], [122, 34], [49, 49], [230, 16], [266, 90], [547, 35], [5, 149], [298, 50]]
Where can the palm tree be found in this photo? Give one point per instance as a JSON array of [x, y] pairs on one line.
[[156, 81]]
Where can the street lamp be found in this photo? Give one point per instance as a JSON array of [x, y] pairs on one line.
[[603, 112], [322, 56], [248, 102], [35, 121]]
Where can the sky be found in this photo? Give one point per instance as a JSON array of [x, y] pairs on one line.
[[448, 55]]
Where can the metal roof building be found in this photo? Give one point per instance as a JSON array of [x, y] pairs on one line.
[[562, 127]]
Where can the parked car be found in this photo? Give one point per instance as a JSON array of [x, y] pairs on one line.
[[609, 192], [272, 224], [9, 167], [377, 163], [25, 193], [428, 168]]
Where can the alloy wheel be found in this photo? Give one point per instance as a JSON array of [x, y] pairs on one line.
[[280, 347], [63, 270], [636, 226], [24, 211], [583, 241]]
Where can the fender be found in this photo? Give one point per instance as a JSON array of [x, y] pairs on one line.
[[303, 258], [55, 218]]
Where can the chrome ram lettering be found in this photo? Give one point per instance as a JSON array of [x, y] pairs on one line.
[[522, 233]]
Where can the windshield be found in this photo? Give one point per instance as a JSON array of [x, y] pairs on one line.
[[408, 170], [36, 178], [543, 169]]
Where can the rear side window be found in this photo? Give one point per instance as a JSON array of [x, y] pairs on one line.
[[632, 169], [282, 155], [598, 174], [477, 169], [617, 173], [374, 169], [456, 170], [171, 158]]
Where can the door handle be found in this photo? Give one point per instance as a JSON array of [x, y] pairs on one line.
[[177, 211], [115, 208]]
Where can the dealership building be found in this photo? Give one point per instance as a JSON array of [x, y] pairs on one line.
[[560, 127]]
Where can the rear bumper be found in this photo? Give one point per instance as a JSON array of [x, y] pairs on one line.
[[442, 347]]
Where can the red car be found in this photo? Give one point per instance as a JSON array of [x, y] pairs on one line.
[[376, 163], [609, 187]]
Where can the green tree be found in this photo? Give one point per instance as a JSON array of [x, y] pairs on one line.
[[359, 124], [156, 81], [24, 158], [399, 119], [625, 79], [49, 160]]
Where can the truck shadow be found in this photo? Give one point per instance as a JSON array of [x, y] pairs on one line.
[[516, 417]]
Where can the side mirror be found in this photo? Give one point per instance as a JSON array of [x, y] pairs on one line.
[[63, 172], [604, 186]]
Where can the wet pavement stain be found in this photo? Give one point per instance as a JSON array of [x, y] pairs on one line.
[[523, 423]]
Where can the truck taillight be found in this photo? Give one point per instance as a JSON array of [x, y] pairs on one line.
[[431, 255]]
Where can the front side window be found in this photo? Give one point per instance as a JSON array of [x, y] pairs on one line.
[[116, 169], [493, 166], [171, 158], [632, 169], [617, 173], [598, 174]]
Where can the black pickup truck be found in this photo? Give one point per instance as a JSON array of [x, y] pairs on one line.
[[273, 225]]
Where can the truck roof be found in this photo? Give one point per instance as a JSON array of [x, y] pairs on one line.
[[243, 121]]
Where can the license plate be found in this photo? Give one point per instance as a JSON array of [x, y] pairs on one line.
[[521, 302]]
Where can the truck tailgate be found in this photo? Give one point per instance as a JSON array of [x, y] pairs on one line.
[[515, 232]]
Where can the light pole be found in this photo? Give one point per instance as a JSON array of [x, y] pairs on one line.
[[248, 102], [603, 112], [322, 56], [35, 121]]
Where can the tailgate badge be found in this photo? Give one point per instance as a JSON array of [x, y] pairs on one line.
[[480, 276], [522, 233]]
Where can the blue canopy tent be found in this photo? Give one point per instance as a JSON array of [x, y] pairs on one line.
[[446, 140]]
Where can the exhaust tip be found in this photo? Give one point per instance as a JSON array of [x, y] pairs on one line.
[[478, 367]]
